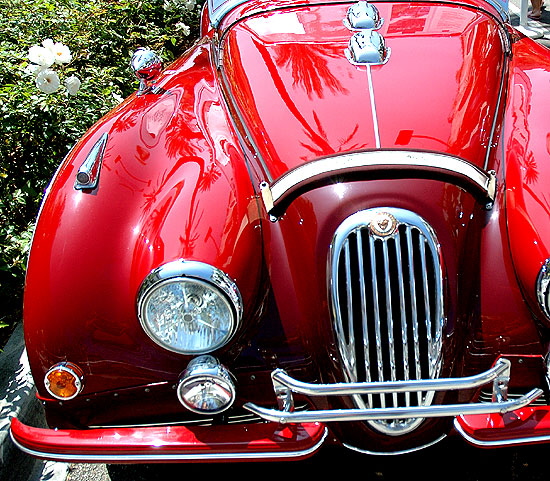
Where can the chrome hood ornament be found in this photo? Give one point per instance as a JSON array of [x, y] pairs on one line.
[[363, 15], [366, 46]]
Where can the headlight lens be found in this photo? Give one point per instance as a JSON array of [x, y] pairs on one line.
[[189, 307], [543, 288]]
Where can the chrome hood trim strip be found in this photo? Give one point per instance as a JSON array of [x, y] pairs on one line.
[[373, 108], [377, 164]]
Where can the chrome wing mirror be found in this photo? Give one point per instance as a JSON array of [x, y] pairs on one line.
[[147, 66]]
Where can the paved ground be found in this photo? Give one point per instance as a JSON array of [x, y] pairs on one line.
[[539, 30], [18, 399]]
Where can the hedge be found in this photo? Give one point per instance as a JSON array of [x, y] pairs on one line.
[[95, 41]]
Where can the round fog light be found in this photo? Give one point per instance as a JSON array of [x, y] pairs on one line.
[[64, 380], [206, 386]]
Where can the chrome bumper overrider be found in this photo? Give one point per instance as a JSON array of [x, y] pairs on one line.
[[284, 386]]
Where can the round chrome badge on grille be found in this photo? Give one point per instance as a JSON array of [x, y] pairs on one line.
[[383, 224]]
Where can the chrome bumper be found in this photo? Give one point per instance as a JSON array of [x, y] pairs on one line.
[[284, 387]]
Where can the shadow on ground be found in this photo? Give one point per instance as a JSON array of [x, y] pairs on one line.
[[450, 460]]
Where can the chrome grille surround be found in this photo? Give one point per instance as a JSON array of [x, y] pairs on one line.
[[385, 283]]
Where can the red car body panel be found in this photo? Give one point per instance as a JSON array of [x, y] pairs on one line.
[[527, 194], [287, 80], [160, 179], [269, 89], [175, 444], [528, 426]]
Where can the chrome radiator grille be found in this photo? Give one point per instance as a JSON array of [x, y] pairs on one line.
[[386, 292]]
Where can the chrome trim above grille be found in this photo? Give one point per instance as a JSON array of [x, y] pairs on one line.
[[377, 164]]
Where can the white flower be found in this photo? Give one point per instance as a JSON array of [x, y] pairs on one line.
[[168, 5], [72, 84], [34, 69], [181, 27], [171, 5], [41, 56], [61, 52], [48, 43], [47, 81]]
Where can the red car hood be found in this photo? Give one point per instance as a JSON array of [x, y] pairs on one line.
[[301, 98]]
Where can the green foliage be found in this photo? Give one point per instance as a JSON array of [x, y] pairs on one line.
[[38, 129]]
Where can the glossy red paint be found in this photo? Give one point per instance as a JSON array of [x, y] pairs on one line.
[[527, 165], [288, 81], [505, 323], [264, 92], [525, 426], [257, 442], [174, 163], [299, 83]]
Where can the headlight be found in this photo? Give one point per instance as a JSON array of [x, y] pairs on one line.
[[206, 386], [189, 307], [543, 288]]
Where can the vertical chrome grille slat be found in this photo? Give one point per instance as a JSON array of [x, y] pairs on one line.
[[377, 320], [426, 300], [389, 317], [364, 317], [414, 311], [389, 327], [402, 317], [349, 283]]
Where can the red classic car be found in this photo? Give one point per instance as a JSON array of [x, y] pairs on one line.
[[327, 222]]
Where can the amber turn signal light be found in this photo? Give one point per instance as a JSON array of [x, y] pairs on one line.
[[64, 380]]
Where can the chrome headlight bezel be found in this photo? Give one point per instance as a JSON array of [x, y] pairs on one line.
[[543, 288], [202, 276]]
